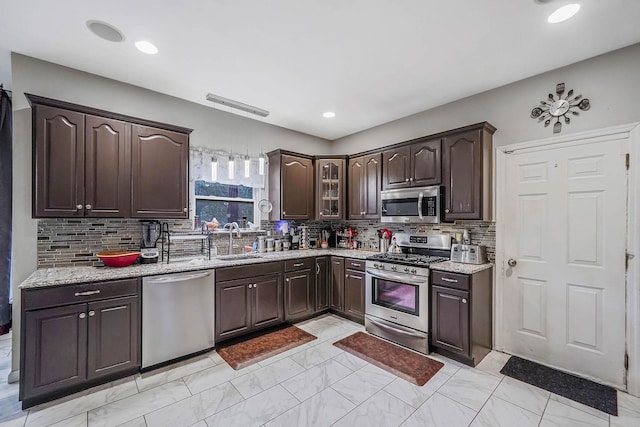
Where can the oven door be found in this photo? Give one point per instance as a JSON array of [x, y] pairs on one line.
[[398, 298]]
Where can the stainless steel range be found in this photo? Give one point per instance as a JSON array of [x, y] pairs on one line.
[[397, 289]]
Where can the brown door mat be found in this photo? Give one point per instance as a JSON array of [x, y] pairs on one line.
[[253, 350], [404, 363]]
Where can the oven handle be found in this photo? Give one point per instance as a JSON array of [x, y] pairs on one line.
[[420, 205], [401, 278], [389, 328]]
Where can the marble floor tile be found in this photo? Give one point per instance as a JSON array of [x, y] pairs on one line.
[[628, 411], [255, 411], [11, 410], [215, 357], [416, 395], [140, 404], [7, 390], [382, 410], [500, 413], [216, 375], [577, 405], [200, 424], [172, 372], [493, 363], [560, 415], [450, 366], [195, 408], [316, 379], [323, 409], [317, 354], [15, 422], [331, 332], [522, 394], [77, 421], [440, 411], [67, 407], [470, 387], [364, 383], [266, 377], [350, 361], [138, 422]]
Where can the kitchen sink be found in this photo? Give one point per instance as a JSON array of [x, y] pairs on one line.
[[238, 257]]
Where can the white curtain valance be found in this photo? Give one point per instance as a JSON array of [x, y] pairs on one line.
[[200, 165]]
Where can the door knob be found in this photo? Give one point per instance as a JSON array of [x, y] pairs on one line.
[[512, 262]]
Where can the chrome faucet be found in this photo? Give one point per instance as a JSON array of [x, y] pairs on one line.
[[232, 226]]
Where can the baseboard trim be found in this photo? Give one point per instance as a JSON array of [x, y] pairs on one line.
[[14, 376]]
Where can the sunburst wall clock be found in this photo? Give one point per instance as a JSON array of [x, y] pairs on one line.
[[560, 108]]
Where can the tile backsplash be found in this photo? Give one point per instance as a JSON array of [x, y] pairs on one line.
[[73, 242]]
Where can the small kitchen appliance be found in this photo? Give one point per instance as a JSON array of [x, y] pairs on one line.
[[468, 254], [397, 288], [148, 246], [411, 205]]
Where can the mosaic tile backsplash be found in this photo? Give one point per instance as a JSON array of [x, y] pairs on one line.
[[70, 241]]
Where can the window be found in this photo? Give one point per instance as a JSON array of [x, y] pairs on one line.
[[225, 202]]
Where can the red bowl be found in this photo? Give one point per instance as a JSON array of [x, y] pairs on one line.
[[118, 258]]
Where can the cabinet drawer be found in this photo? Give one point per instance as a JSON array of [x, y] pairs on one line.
[[298, 264], [244, 271], [354, 264], [71, 294], [450, 280]]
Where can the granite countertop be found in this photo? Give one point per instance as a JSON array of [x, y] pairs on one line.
[[458, 267], [73, 275]]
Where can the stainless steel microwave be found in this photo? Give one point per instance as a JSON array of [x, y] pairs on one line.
[[411, 205]]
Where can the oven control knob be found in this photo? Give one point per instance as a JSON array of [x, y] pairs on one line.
[[406, 269], [375, 265], [381, 266], [414, 271], [394, 268]]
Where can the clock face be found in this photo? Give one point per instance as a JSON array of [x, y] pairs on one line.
[[559, 107]]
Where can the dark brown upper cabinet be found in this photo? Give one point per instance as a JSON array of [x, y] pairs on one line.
[[290, 186], [467, 161], [330, 189], [414, 165], [83, 164], [159, 185], [365, 173]]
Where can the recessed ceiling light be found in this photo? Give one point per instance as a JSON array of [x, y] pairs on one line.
[[105, 31], [328, 114], [146, 47], [563, 13]]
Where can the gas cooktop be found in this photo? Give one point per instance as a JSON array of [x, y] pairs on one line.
[[407, 259]]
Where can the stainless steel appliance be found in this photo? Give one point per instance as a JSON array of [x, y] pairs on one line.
[[411, 205], [468, 254], [148, 246], [177, 315], [397, 289]]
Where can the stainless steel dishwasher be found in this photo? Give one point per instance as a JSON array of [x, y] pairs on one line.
[[177, 315]]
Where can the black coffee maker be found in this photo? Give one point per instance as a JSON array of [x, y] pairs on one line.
[[150, 235]]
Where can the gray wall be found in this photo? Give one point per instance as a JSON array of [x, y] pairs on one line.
[[611, 81], [212, 127]]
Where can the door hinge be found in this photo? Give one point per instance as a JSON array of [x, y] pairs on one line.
[[627, 160], [627, 257], [626, 361]]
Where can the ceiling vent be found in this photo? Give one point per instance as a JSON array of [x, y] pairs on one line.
[[105, 31]]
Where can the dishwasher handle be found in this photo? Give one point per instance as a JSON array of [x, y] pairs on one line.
[[176, 278]]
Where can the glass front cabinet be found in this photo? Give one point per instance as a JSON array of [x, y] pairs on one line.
[[330, 189]]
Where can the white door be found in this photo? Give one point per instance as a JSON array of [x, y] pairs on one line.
[[565, 228]]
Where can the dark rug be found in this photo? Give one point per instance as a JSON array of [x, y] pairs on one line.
[[598, 396], [406, 364], [246, 353]]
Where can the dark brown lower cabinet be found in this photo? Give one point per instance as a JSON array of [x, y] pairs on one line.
[[354, 294], [299, 293], [347, 288], [323, 274], [337, 284], [461, 315], [77, 335]]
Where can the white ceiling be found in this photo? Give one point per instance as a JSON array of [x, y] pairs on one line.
[[370, 61]]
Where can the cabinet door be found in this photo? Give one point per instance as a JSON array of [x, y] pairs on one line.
[[354, 293], [337, 284], [450, 319], [55, 349], [58, 184], [330, 189], [355, 190], [113, 342], [159, 168], [462, 163], [298, 292], [397, 168], [267, 300], [296, 190], [323, 274], [233, 308], [425, 163], [107, 168], [370, 187]]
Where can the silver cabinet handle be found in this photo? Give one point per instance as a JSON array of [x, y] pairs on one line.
[[299, 264], [317, 268], [92, 313], [464, 300], [82, 315], [512, 262], [446, 211], [250, 285], [78, 207], [346, 276], [446, 279], [406, 180], [87, 206], [420, 196], [410, 179], [184, 209], [287, 280], [284, 213], [87, 293], [255, 285], [356, 265]]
